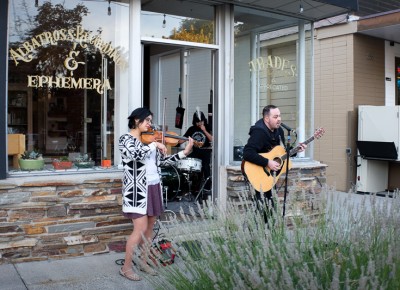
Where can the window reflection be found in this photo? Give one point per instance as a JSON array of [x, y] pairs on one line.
[[266, 56], [62, 75], [167, 26]]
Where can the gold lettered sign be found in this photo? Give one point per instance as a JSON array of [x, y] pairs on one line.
[[78, 37], [276, 68]]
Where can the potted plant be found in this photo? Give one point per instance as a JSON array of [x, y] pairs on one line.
[[84, 161], [31, 160], [62, 163]]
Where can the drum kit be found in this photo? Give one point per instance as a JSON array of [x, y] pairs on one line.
[[179, 179]]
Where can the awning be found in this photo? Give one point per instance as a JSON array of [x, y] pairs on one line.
[[311, 10], [382, 25]]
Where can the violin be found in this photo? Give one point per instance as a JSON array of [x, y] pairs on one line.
[[169, 138]]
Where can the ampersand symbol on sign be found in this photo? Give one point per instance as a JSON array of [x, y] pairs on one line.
[[70, 63]]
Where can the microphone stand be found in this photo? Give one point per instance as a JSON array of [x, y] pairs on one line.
[[287, 172]]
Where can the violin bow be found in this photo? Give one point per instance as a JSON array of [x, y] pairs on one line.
[[163, 124]]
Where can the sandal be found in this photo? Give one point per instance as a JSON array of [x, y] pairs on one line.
[[129, 274], [144, 267]]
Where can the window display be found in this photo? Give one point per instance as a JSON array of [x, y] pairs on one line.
[[62, 76]]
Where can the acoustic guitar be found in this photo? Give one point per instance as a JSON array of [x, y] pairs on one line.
[[261, 178]]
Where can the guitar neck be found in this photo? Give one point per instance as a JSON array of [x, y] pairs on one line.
[[297, 148]]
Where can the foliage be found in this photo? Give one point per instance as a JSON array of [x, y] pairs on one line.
[[350, 246], [54, 17], [61, 159], [49, 59], [31, 155], [83, 158], [64, 158], [194, 30]]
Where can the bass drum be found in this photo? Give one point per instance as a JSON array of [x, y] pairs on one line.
[[171, 182]]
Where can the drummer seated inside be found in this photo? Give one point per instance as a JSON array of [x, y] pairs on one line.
[[200, 132]]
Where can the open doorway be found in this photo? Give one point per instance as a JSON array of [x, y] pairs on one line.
[[176, 76]]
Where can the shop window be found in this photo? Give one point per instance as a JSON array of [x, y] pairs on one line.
[[266, 62], [62, 77]]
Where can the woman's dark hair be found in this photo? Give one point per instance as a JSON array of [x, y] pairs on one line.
[[138, 114], [196, 118]]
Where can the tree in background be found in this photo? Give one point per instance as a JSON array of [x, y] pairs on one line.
[[195, 30]]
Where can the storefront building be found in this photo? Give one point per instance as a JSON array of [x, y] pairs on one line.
[[68, 83], [356, 63]]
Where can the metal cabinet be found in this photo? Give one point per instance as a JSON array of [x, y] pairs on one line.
[[377, 144]]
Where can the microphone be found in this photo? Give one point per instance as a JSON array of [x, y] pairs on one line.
[[288, 128]]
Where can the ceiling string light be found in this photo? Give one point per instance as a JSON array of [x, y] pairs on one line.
[[301, 7], [36, 3], [164, 23], [109, 8]]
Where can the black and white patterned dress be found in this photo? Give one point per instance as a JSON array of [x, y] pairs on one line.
[[134, 185]]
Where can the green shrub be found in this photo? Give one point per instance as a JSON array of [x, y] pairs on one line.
[[349, 246]]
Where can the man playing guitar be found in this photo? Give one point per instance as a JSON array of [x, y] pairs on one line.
[[265, 134]]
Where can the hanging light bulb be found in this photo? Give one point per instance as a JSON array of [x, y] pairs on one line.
[[164, 23], [109, 8], [36, 3], [301, 7]]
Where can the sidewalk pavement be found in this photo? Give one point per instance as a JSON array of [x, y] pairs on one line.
[[89, 272]]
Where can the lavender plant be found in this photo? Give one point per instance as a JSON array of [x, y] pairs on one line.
[[349, 246]]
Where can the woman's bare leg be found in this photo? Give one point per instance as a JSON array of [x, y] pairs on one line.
[[146, 245], [135, 239]]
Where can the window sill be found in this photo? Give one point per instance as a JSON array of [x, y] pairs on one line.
[[72, 171]]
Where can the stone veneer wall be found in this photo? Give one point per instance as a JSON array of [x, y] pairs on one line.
[[54, 217], [306, 181], [61, 216]]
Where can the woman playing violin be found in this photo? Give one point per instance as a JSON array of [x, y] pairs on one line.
[[141, 190]]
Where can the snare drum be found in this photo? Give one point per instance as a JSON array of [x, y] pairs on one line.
[[189, 165]]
